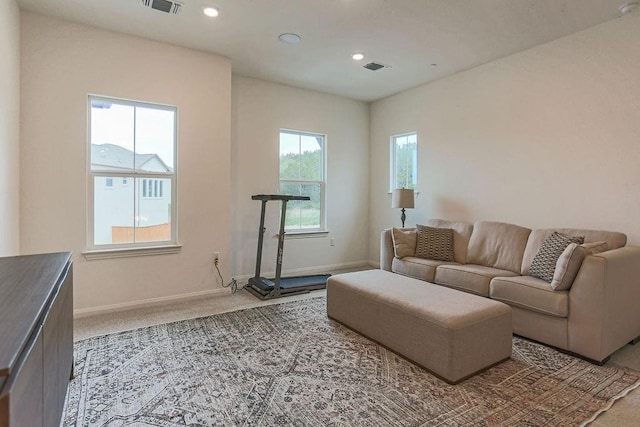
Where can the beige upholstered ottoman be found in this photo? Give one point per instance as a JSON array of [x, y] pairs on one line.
[[453, 334]]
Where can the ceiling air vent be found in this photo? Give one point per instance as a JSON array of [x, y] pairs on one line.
[[166, 6], [374, 66]]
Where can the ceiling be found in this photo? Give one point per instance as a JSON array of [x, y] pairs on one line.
[[420, 40]]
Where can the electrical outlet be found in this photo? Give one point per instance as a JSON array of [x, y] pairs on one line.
[[332, 241]]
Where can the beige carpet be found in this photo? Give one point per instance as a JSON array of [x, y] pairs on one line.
[[287, 364]]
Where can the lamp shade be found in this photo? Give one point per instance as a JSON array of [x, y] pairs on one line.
[[402, 198]]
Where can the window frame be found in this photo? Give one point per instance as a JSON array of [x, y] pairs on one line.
[[393, 175], [117, 250], [323, 184]]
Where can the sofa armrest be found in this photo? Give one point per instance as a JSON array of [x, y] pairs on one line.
[[386, 250], [604, 303]]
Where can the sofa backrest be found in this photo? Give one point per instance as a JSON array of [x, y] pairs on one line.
[[537, 237], [461, 235], [497, 244]]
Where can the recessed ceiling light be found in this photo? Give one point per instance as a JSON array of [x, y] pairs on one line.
[[211, 12], [357, 56], [289, 38]]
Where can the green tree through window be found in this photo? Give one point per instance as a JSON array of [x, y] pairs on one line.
[[302, 174], [404, 161]]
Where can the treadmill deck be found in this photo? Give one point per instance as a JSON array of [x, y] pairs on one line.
[[288, 285]]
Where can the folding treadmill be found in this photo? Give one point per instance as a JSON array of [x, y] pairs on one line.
[[280, 286]]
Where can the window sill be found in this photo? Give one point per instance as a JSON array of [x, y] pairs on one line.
[[91, 255], [305, 234]]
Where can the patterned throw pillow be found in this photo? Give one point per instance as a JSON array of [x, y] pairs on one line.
[[435, 243], [544, 263]]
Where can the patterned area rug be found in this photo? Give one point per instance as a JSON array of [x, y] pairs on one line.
[[288, 364]]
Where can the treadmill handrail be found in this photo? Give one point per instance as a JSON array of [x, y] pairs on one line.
[[264, 198], [278, 197]]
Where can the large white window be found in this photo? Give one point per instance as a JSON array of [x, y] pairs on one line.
[[404, 161], [302, 166], [132, 154]]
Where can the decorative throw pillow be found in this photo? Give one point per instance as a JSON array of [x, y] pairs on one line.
[[435, 243], [404, 242], [543, 265], [567, 266]]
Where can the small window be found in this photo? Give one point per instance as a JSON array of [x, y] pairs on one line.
[[404, 161], [302, 168], [152, 188], [133, 143]]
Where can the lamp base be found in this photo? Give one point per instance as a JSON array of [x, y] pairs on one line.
[[403, 217]]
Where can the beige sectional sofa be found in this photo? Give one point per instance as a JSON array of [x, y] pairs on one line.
[[597, 315]]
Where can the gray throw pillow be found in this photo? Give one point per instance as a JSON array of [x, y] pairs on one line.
[[567, 267], [544, 263], [434, 243]]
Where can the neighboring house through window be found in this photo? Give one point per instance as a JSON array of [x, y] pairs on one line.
[[131, 142], [302, 173], [404, 161]]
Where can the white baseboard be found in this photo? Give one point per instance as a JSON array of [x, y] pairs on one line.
[[242, 279], [84, 312]]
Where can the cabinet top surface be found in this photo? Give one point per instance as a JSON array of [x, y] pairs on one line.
[[27, 283]]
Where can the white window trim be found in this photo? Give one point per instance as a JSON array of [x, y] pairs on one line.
[[91, 255], [392, 159], [322, 230], [92, 251]]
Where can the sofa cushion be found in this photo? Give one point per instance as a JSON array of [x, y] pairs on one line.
[[613, 240], [595, 247], [418, 268], [434, 243], [461, 235], [469, 277], [497, 244], [567, 267], [404, 242], [544, 263], [530, 293]]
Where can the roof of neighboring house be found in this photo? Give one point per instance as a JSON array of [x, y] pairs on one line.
[[111, 156]]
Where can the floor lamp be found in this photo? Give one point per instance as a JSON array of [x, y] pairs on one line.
[[402, 198]]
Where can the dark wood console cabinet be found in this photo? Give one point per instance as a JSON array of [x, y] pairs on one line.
[[36, 338]]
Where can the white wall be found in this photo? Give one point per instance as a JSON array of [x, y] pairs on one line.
[[62, 63], [259, 110], [9, 128], [549, 137]]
